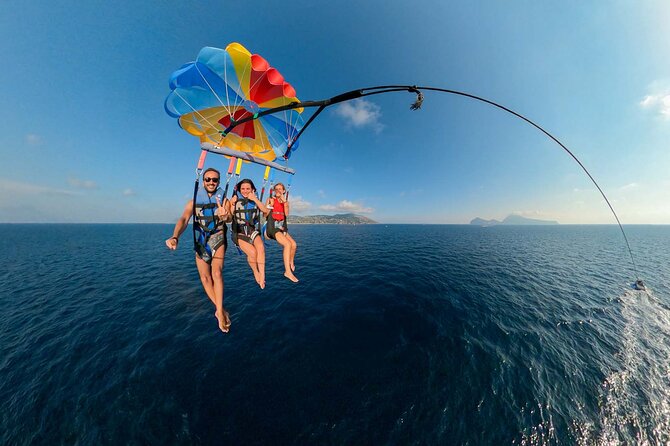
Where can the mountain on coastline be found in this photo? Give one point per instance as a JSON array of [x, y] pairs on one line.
[[337, 219], [512, 220]]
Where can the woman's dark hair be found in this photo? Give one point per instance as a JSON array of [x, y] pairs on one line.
[[246, 180]]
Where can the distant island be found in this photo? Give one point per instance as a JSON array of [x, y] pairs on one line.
[[337, 219], [512, 220]]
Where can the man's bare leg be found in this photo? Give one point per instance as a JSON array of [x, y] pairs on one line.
[[217, 279], [205, 272]]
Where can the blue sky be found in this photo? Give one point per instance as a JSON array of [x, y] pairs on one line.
[[84, 138]]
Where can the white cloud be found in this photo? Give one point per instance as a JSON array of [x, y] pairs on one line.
[[129, 192], [658, 99], [33, 139], [347, 206], [360, 113], [82, 184], [297, 204]]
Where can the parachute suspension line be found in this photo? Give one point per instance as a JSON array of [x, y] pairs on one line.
[[309, 121], [292, 132], [225, 77], [238, 169], [194, 110], [265, 181], [198, 172], [271, 191], [288, 185], [229, 175], [239, 91], [212, 90]]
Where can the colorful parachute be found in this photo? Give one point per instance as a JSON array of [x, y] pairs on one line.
[[223, 87]]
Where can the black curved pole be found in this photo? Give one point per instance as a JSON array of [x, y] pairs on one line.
[[354, 94]]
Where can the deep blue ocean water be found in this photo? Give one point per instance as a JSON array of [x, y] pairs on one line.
[[398, 334]]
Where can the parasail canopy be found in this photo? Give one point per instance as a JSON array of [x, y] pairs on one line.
[[222, 87]]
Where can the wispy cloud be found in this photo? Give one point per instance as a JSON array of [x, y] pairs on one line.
[[657, 99], [128, 192], [33, 139], [20, 188], [347, 206], [360, 113], [629, 186], [82, 184]]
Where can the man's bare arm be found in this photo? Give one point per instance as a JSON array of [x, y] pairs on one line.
[[180, 226]]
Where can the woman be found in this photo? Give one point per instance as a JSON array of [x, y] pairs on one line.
[[246, 219], [277, 228]]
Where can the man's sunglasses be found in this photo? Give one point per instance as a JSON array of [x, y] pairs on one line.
[[211, 180]]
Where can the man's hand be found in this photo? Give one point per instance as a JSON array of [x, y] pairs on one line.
[[171, 243], [222, 210]]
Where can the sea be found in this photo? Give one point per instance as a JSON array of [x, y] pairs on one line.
[[395, 335]]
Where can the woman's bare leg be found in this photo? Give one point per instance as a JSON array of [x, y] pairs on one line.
[[286, 248], [250, 251], [294, 247], [260, 260]]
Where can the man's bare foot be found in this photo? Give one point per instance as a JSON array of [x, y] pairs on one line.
[[257, 277], [224, 321], [290, 276]]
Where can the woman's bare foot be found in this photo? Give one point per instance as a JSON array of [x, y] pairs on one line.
[[224, 320], [289, 275]]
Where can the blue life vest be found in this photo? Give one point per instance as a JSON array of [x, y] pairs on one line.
[[206, 222], [205, 218]]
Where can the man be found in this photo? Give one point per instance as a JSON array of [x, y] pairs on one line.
[[211, 214]]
